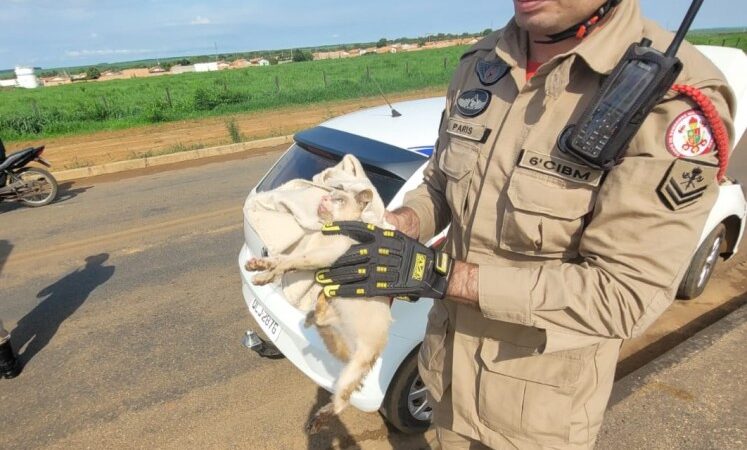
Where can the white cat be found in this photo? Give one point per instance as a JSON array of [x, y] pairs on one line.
[[353, 329]]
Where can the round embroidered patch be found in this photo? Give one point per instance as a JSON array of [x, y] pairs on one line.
[[689, 135]]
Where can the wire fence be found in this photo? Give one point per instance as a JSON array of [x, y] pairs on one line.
[[90, 106]]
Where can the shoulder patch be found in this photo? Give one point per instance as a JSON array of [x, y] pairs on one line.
[[689, 135], [473, 103], [491, 72], [685, 183]]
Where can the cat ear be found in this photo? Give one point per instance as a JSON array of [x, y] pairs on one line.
[[364, 197]]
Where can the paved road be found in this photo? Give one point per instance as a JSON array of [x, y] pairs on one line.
[[693, 397], [125, 300]]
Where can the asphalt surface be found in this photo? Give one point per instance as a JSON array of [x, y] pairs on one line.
[[693, 397], [124, 300]]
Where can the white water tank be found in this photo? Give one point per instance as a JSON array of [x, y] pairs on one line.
[[26, 78]]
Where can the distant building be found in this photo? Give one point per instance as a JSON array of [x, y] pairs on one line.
[[331, 55], [206, 67], [156, 69], [8, 83], [26, 78], [259, 62], [181, 69]]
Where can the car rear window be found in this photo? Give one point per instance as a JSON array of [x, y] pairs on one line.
[[304, 163]]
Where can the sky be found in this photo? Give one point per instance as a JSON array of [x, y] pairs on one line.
[[56, 33]]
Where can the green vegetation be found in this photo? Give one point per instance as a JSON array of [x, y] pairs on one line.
[[93, 73], [737, 39], [234, 132], [117, 104], [91, 106]]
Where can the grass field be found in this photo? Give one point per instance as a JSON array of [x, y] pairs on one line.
[[735, 39], [93, 106], [117, 104]]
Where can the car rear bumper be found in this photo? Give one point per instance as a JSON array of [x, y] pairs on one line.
[[304, 348]]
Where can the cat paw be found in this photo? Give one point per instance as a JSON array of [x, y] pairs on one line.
[[259, 264], [264, 278]]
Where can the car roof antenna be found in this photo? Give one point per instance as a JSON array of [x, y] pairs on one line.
[[395, 113]]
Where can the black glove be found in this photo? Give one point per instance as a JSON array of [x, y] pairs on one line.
[[385, 263]]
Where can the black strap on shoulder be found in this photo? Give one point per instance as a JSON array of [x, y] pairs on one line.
[[582, 29]]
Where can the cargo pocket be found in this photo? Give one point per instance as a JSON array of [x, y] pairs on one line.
[[525, 394], [432, 356], [544, 215], [457, 161]]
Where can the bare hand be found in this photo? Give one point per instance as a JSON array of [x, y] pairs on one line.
[[405, 220]]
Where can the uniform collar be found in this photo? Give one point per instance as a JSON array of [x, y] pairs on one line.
[[601, 50]]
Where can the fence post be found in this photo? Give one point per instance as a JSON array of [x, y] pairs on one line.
[[739, 39], [407, 68], [723, 42], [368, 73], [324, 77], [168, 97], [445, 62], [277, 84]]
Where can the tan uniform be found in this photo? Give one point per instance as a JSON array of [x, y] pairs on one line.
[[571, 261]]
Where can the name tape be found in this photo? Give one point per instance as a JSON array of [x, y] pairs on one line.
[[552, 165], [471, 131]]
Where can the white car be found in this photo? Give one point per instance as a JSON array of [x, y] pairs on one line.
[[394, 151]]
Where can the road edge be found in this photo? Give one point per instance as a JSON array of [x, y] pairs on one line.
[[152, 161]]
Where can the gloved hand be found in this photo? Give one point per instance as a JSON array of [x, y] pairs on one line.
[[385, 263]]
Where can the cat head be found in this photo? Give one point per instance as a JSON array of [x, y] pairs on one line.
[[340, 205]]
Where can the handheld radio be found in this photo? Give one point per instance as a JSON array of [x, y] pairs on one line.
[[635, 86]]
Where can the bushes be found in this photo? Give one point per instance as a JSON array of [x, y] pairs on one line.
[[207, 100]]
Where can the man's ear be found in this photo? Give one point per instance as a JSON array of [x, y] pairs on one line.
[[364, 197]]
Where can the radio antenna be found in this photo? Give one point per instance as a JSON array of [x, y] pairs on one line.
[[684, 27], [395, 113]]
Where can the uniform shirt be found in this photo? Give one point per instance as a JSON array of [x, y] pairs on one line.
[[571, 260]]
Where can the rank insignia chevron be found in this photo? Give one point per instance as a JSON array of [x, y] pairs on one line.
[[685, 183]]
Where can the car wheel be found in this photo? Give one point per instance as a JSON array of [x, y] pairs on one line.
[[406, 405], [702, 265]]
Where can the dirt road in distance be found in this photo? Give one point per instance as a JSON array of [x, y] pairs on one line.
[[83, 150]]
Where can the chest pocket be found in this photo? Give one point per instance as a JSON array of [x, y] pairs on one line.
[[457, 161], [545, 215]]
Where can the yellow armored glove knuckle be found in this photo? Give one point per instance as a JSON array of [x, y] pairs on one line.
[[331, 290], [321, 276], [330, 227]]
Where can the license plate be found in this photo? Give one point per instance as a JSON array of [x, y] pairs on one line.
[[268, 324]]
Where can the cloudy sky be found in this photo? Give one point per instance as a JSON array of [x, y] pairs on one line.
[[53, 33]]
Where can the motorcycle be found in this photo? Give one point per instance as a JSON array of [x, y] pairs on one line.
[[32, 186]]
